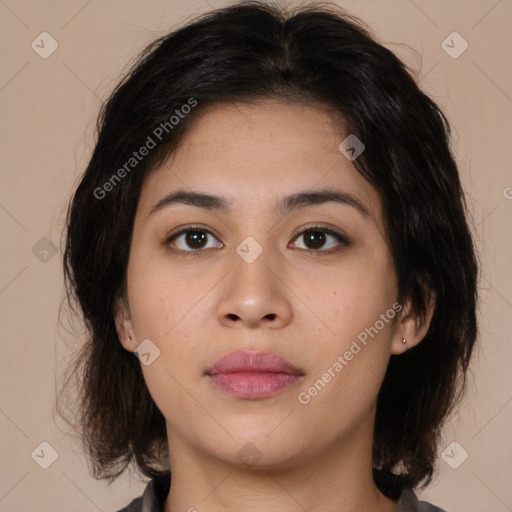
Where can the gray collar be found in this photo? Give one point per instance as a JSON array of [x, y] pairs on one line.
[[157, 489]]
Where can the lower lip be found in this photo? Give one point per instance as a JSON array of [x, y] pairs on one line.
[[253, 385]]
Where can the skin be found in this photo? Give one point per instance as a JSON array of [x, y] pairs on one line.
[[304, 306]]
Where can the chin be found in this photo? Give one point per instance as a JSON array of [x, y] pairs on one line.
[[255, 449]]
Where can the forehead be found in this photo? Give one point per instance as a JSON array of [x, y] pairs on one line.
[[256, 153], [270, 132]]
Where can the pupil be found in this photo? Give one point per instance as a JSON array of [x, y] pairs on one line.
[[317, 239], [314, 239], [195, 238]]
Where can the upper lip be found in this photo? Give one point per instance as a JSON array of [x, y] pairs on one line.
[[250, 361]]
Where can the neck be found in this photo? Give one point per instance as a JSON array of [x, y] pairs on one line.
[[337, 479]]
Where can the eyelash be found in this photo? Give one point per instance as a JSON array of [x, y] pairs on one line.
[[344, 241]]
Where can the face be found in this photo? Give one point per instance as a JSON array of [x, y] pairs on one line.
[[272, 264]]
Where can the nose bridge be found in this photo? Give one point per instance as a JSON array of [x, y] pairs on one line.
[[251, 267], [253, 292]]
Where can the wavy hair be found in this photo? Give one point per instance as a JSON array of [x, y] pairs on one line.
[[320, 55]]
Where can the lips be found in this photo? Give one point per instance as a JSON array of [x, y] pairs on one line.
[[244, 361], [252, 375]]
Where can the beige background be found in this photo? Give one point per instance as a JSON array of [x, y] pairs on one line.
[[48, 110]]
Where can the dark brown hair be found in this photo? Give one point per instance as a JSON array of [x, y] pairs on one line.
[[317, 54]]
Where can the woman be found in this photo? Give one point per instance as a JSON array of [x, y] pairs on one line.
[[270, 250]]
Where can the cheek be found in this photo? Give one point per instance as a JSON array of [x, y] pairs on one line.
[[160, 298], [350, 365], [373, 288], [164, 315], [351, 297], [360, 318], [167, 308]]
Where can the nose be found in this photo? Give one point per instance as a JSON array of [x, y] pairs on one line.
[[255, 294]]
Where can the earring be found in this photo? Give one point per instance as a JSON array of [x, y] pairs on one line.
[[404, 340]]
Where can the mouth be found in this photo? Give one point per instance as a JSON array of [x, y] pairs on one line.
[[252, 375]]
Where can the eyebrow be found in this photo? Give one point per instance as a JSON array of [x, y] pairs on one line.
[[282, 207]]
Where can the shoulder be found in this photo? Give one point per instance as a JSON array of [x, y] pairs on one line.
[[425, 506], [153, 497], [134, 506], [394, 486], [408, 502], [155, 493]]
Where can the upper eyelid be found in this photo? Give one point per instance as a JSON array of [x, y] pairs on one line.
[[183, 230], [332, 231], [319, 227]]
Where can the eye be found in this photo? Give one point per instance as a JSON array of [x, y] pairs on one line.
[[315, 238], [191, 239]]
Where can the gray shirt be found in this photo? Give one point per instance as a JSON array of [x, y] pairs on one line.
[[157, 489]]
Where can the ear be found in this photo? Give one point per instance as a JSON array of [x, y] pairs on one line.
[[124, 325], [411, 326]]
